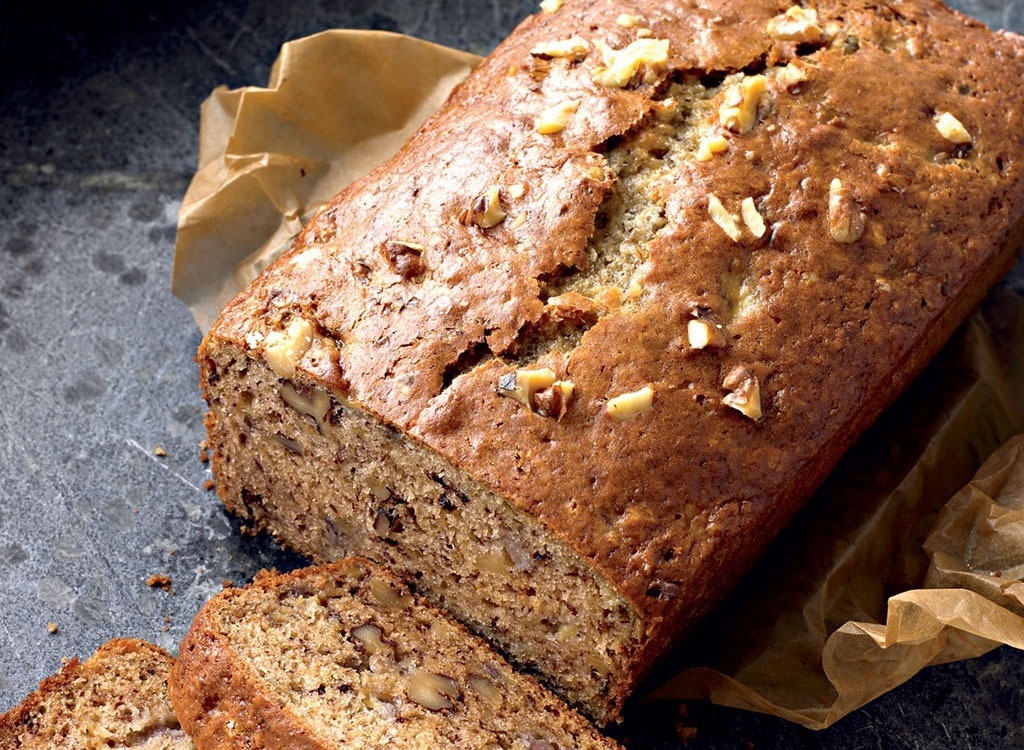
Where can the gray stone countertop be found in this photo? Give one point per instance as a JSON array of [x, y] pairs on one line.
[[99, 107]]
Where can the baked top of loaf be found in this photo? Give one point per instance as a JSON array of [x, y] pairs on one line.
[[117, 698], [882, 151], [343, 656]]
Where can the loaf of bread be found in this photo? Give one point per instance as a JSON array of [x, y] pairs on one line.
[[579, 351], [343, 656], [117, 698]]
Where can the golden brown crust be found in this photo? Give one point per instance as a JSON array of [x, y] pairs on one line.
[[673, 505]]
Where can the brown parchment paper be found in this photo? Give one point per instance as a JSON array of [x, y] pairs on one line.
[[337, 104], [882, 574]]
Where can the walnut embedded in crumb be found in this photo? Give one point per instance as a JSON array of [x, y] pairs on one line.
[[159, 581], [554, 119], [485, 688], [575, 48], [485, 210], [739, 108], [435, 692], [951, 129], [405, 258], [516, 190], [641, 60], [845, 217], [744, 392], [796, 25], [727, 221], [630, 405]]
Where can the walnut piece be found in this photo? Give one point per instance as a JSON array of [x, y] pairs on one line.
[[575, 48], [738, 111], [498, 562], [554, 119], [796, 25], [745, 392], [387, 596], [554, 401], [435, 692], [704, 333], [405, 258], [727, 221], [642, 59], [283, 350], [485, 688], [628, 20], [714, 144], [369, 636], [791, 75], [752, 218], [550, 6], [522, 385], [517, 190], [952, 129], [315, 405], [485, 211], [630, 405], [845, 217]]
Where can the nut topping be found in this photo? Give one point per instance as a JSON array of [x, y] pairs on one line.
[[952, 129], [727, 221], [522, 385], [845, 218], [432, 691], [485, 211], [745, 392], [517, 190], [283, 350], [627, 20], [738, 111], [752, 218], [554, 401], [575, 48], [405, 258], [715, 144], [704, 333], [550, 6], [796, 25], [630, 405], [644, 58], [554, 119]]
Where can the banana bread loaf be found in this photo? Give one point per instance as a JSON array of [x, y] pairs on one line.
[[344, 656], [578, 352], [117, 698]]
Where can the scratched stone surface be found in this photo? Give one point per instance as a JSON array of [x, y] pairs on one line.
[[98, 127]]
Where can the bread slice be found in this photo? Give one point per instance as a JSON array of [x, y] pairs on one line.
[[117, 698], [343, 656], [586, 344]]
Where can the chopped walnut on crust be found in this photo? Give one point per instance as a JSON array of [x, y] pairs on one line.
[[404, 258], [845, 217], [485, 210], [744, 392]]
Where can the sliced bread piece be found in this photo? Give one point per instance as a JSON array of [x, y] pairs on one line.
[[117, 698], [343, 656]]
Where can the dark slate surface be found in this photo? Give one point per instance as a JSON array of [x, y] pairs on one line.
[[98, 126]]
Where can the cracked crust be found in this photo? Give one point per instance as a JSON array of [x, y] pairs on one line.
[[116, 698], [840, 302]]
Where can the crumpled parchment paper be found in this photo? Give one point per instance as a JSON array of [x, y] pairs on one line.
[[881, 575]]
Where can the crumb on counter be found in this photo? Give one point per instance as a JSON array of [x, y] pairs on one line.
[[159, 581]]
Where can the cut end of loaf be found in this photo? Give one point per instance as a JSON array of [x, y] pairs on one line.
[[344, 656], [329, 480], [116, 698]]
